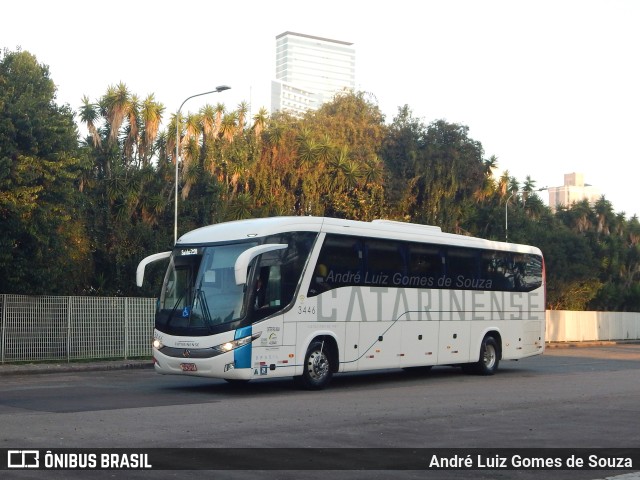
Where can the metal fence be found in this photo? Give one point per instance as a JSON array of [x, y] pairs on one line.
[[72, 328]]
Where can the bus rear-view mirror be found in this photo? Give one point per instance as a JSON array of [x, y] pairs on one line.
[[244, 259]]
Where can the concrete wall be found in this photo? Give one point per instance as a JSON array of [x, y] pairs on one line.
[[570, 326]]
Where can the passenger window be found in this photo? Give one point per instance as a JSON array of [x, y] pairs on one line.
[[424, 261], [383, 260], [340, 264], [461, 265]]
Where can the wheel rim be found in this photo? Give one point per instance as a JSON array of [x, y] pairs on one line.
[[318, 365], [489, 357]]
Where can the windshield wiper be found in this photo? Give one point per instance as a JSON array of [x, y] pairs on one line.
[[175, 307], [204, 307]]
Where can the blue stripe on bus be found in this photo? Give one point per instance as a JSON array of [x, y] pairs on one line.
[[242, 355]]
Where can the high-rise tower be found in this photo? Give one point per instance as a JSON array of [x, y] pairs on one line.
[[310, 71]]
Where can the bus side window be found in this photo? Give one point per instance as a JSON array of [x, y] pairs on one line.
[[496, 271], [462, 265], [527, 272], [383, 260], [318, 282], [339, 264], [424, 261]]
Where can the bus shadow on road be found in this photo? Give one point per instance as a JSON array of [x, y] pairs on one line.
[[343, 381]]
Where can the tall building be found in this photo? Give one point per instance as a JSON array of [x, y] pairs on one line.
[[310, 71], [574, 190]]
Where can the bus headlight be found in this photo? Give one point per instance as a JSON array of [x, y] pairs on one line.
[[240, 342], [157, 344]]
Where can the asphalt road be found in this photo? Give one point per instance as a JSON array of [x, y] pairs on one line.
[[569, 397]]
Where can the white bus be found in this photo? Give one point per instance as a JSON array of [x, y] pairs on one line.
[[308, 297]]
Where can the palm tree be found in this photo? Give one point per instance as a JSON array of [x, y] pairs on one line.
[[116, 105], [219, 109], [372, 171], [151, 115], [490, 164], [325, 149], [243, 109], [191, 170], [514, 185], [190, 143], [171, 135], [352, 174], [207, 122], [193, 127], [535, 207], [307, 148], [308, 153], [582, 214], [604, 214], [260, 121], [228, 126], [275, 135], [131, 139], [338, 166], [485, 190], [529, 184], [240, 208], [527, 188], [503, 184], [89, 115]]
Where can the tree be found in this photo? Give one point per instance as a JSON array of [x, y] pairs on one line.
[[128, 194], [151, 116], [43, 242], [260, 121], [401, 152], [449, 172]]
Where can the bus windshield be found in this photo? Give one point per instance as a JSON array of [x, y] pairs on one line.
[[199, 292], [200, 295]]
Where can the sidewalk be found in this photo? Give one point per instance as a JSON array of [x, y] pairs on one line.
[[591, 343], [59, 367]]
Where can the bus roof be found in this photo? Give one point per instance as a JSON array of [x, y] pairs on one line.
[[261, 227]]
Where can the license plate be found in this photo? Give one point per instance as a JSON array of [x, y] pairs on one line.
[[188, 367]]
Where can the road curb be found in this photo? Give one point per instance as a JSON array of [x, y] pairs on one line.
[[43, 368]]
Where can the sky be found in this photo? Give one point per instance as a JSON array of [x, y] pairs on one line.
[[547, 86]]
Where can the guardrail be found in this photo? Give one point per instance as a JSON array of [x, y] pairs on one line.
[[48, 328]]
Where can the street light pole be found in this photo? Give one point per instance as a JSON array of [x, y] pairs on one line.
[[506, 211], [220, 88]]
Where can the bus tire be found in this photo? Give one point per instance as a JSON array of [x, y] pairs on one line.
[[318, 370], [489, 358]]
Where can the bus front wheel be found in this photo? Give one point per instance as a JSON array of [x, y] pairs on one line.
[[318, 370]]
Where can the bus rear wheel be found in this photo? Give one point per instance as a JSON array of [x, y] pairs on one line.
[[489, 358], [318, 370]]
